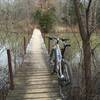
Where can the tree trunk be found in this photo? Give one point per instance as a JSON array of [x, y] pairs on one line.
[[87, 70], [84, 32]]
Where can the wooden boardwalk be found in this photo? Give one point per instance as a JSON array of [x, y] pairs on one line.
[[33, 80]]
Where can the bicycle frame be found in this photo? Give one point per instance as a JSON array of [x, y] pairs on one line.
[[59, 55], [57, 47]]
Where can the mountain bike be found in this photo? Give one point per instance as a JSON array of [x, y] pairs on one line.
[[58, 64]]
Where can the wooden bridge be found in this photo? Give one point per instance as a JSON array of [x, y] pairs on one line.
[[33, 80]]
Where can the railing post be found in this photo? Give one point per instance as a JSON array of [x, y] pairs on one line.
[[48, 45], [10, 70], [24, 45]]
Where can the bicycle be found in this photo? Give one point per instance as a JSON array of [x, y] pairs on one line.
[[58, 64]]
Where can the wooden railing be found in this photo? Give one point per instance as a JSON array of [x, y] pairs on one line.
[[8, 84]]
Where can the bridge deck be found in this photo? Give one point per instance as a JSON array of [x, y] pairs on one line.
[[33, 80]]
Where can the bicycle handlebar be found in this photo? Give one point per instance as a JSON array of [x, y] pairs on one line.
[[51, 38], [68, 45], [62, 39]]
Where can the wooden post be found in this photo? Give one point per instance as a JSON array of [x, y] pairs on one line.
[[10, 70], [48, 45], [24, 45]]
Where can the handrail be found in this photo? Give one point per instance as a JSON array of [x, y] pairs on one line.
[[62, 39], [12, 63]]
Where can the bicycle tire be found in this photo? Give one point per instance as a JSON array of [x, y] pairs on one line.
[[65, 85], [67, 72]]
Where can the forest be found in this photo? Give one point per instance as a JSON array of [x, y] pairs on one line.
[[78, 20]]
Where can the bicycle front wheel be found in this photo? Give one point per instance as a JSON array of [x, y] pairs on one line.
[[66, 72]]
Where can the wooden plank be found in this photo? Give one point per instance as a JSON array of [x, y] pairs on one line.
[[47, 98], [36, 86], [34, 96], [35, 91], [34, 83]]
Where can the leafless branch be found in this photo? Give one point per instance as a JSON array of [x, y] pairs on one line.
[[95, 47], [88, 8], [87, 17]]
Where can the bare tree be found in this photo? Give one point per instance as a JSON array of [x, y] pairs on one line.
[[85, 32]]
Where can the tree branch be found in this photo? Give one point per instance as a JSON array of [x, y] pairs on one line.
[[89, 4], [95, 47], [87, 17], [80, 19]]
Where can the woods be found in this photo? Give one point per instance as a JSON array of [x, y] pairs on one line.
[[78, 20], [16, 15]]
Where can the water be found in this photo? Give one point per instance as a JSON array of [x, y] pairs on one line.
[[3, 63], [3, 57]]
